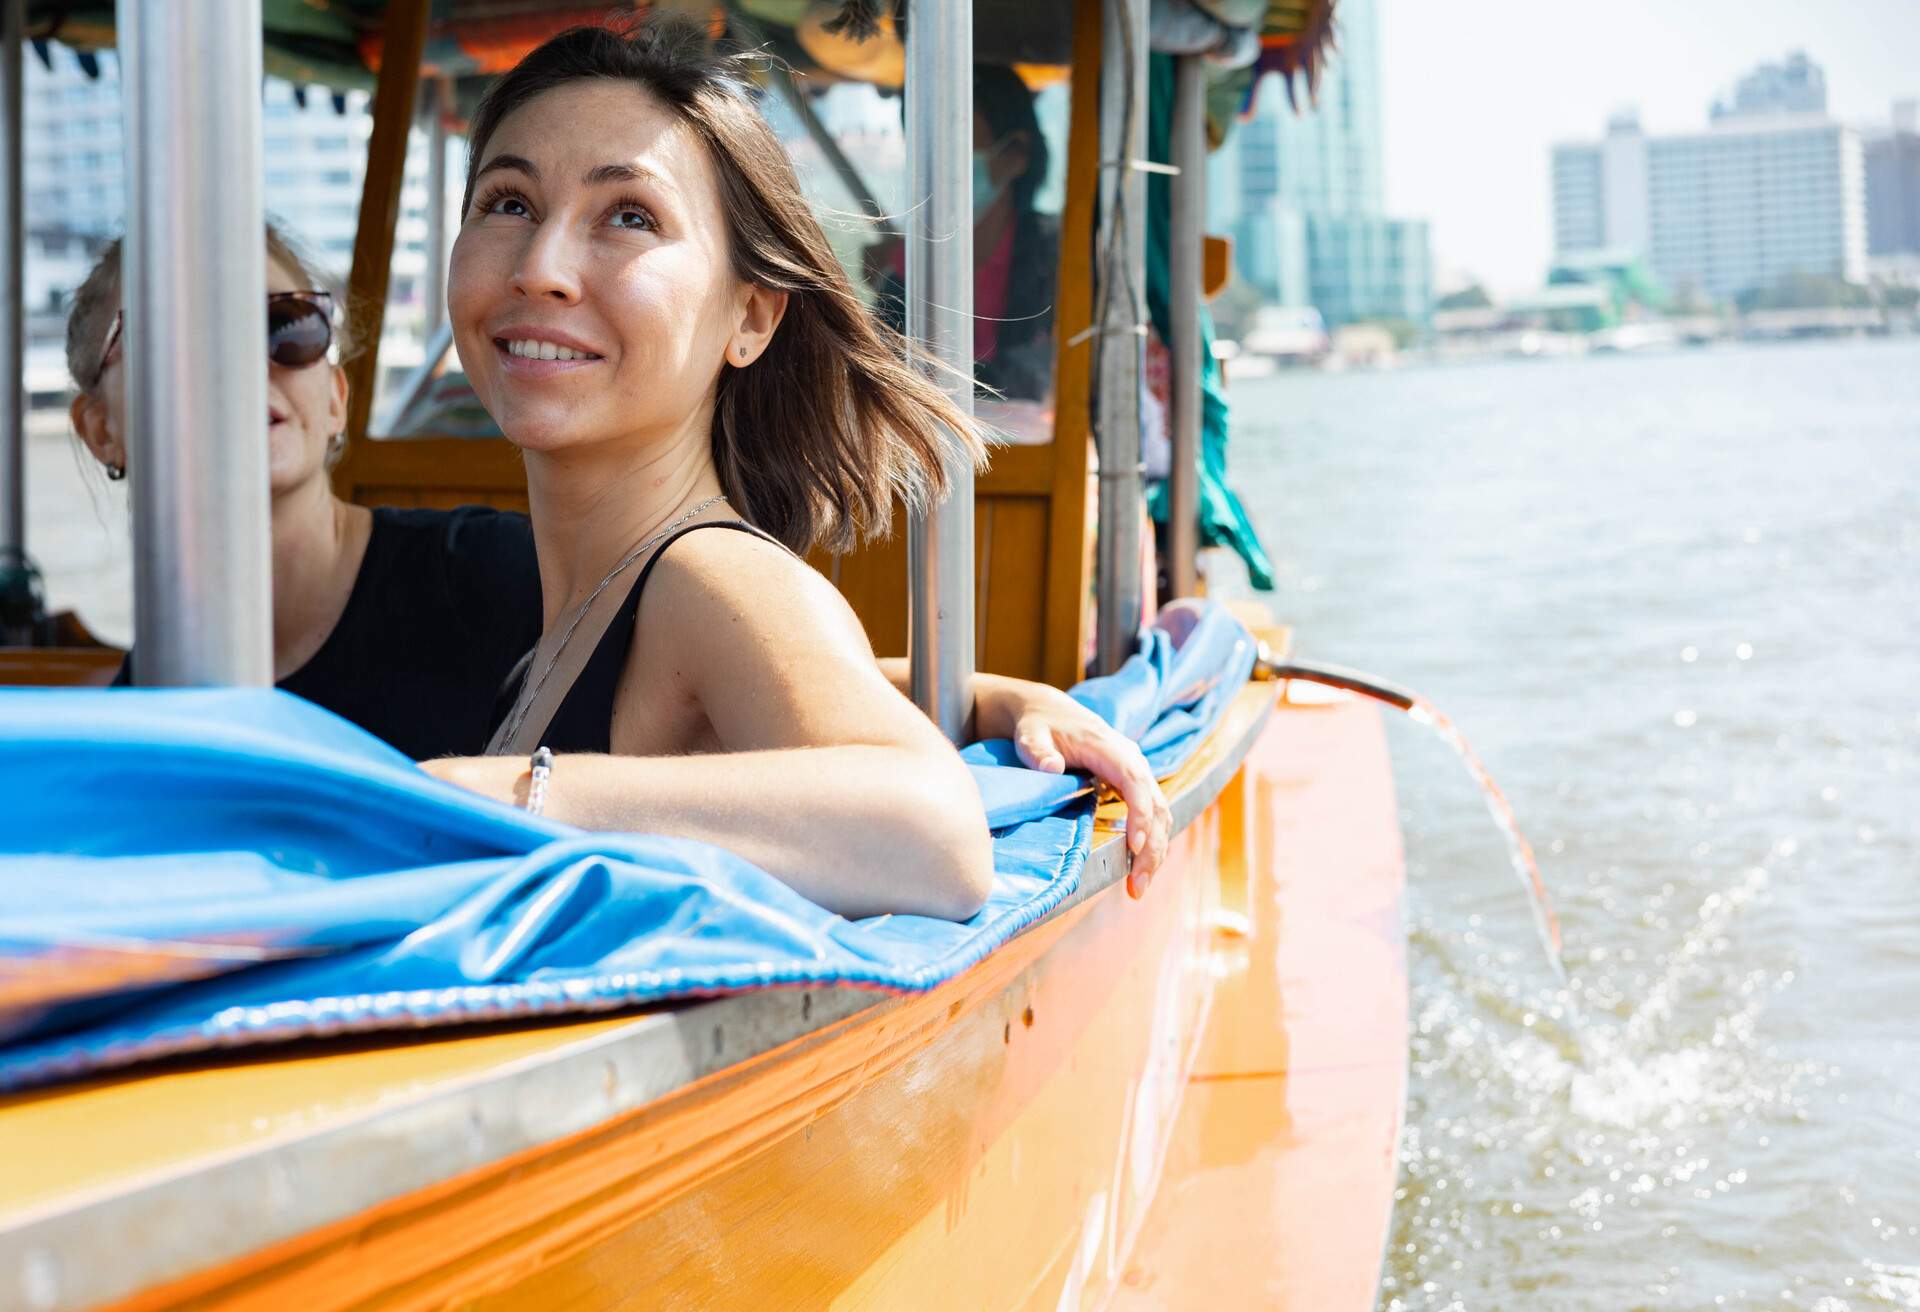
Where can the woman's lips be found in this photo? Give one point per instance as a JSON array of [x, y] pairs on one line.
[[528, 366]]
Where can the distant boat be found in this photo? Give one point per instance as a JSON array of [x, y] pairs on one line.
[[1288, 335], [1640, 335]]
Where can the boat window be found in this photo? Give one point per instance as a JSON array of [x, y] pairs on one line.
[[839, 113], [420, 390], [840, 116]]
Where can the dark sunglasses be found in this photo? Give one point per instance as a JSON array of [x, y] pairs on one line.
[[299, 330]]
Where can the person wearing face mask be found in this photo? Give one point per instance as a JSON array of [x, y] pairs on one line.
[[404, 621], [407, 622], [1014, 244]]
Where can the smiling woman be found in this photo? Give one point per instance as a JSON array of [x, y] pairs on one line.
[[651, 313]]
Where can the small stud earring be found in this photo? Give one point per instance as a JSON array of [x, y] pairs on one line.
[[743, 353], [116, 471]]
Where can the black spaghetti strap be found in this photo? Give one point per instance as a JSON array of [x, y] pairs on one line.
[[584, 720]]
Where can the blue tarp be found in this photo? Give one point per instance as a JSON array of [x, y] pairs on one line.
[[182, 871]]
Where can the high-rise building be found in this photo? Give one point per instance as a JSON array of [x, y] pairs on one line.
[[1795, 85], [315, 153], [1771, 188], [1892, 161], [1303, 196], [1600, 190]]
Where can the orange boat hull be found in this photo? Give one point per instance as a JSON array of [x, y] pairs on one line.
[[1189, 1101]]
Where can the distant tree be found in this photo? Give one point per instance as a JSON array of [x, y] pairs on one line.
[[1467, 298], [1690, 302], [1900, 298], [1403, 331], [1805, 291]]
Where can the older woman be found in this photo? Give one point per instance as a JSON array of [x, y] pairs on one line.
[[649, 310], [404, 621]]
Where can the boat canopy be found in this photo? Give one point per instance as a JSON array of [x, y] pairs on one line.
[[338, 44]]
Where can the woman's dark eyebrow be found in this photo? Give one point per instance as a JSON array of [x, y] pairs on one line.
[[518, 163], [604, 173]]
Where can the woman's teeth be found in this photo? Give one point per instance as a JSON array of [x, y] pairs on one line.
[[546, 351]]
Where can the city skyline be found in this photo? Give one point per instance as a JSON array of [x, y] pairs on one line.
[[1472, 112]]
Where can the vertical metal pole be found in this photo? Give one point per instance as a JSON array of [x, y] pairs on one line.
[[1120, 268], [13, 432], [196, 350], [939, 95], [436, 287], [1183, 288]]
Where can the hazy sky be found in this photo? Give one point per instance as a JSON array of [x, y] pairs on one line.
[[1476, 91]]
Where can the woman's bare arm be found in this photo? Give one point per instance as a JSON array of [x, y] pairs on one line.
[[825, 776]]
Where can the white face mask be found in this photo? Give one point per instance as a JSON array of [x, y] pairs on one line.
[[984, 192]]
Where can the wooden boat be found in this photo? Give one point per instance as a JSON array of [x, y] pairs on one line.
[[1191, 1100]]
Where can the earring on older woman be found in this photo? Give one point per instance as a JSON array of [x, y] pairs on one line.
[[116, 471]]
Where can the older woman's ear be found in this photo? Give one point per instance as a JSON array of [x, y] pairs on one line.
[[94, 423]]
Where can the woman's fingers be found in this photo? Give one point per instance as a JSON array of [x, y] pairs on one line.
[[1119, 764], [1149, 822], [1055, 739], [1034, 741]]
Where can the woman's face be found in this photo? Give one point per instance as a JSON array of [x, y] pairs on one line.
[[590, 288], [305, 409]]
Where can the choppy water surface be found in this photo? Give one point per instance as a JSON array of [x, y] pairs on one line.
[[1675, 602]]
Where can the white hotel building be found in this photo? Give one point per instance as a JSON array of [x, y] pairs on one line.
[[1735, 207]]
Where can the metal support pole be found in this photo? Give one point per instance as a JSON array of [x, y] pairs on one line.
[[13, 432], [436, 288], [1120, 268], [195, 341], [1183, 288], [939, 249]]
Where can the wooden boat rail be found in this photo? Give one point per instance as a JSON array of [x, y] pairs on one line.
[[449, 1114]]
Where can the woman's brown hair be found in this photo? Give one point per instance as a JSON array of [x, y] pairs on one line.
[[815, 439]]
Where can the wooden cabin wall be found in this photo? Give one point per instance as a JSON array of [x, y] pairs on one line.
[[1034, 506]]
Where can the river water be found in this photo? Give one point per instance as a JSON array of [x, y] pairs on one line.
[[1674, 601]]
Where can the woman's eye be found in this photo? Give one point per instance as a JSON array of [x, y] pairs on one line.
[[510, 205], [632, 218]]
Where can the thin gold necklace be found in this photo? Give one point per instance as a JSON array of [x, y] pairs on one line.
[[524, 706]]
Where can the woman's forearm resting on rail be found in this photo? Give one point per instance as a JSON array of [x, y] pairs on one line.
[[860, 830]]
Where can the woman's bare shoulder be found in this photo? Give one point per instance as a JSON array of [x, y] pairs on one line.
[[748, 584]]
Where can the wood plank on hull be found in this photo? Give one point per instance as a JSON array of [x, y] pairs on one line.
[[956, 1178]]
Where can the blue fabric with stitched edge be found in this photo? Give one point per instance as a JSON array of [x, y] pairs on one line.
[[185, 870]]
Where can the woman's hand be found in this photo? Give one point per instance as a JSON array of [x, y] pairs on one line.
[[1053, 732]]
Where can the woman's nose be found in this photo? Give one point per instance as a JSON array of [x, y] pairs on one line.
[[548, 266]]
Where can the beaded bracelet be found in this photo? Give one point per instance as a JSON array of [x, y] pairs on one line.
[[542, 771]]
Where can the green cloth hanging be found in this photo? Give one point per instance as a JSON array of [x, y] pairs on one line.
[[1223, 520]]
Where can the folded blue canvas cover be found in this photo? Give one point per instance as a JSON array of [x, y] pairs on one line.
[[184, 870]]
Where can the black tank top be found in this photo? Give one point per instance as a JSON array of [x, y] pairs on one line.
[[584, 720]]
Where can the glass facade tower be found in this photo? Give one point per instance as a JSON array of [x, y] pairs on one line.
[[1303, 194]]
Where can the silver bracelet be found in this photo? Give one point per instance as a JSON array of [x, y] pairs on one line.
[[542, 771]]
